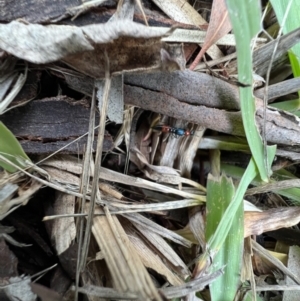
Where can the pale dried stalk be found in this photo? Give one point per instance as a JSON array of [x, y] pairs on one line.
[[109, 175], [95, 188], [150, 225], [127, 271], [84, 186]]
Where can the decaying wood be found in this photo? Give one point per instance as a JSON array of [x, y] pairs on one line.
[[44, 126], [280, 89], [201, 99], [32, 11], [47, 11], [262, 57]]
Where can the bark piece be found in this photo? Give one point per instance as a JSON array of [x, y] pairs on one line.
[[34, 11], [44, 126], [191, 87], [219, 120], [280, 89], [201, 99]]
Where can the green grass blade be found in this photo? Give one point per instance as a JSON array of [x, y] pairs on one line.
[[220, 192], [11, 149], [288, 105], [291, 193], [289, 22], [245, 19], [216, 241]]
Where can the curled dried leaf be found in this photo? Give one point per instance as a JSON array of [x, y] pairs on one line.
[[134, 46]]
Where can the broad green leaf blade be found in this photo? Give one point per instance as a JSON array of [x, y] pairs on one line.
[[220, 193], [245, 19], [216, 241], [11, 149]]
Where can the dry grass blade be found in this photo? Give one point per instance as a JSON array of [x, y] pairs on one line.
[[127, 270], [14, 91], [78, 10], [74, 166], [156, 228], [265, 254], [274, 186], [85, 183], [278, 288], [257, 223], [152, 258], [95, 187], [191, 286], [170, 258], [105, 292]]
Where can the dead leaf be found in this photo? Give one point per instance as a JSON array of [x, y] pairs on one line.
[[138, 49], [148, 255], [257, 223], [42, 44], [218, 27], [63, 230], [135, 46], [124, 263], [182, 11]]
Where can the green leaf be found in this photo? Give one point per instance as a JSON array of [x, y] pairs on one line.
[[287, 13], [11, 149], [292, 193], [216, 241], [220, 193], [245, 19], [288, 105]]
